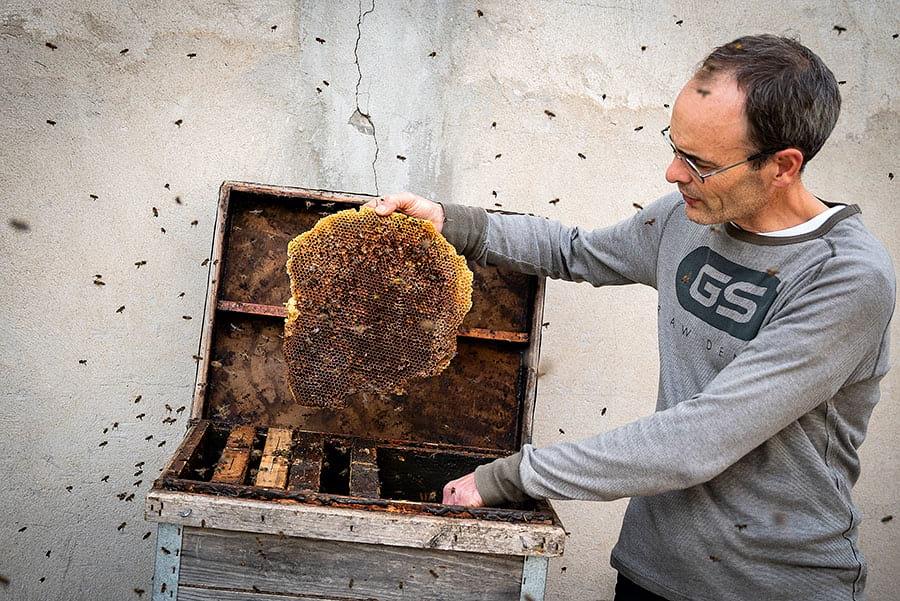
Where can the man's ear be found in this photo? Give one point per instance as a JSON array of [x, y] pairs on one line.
[[786, 164]]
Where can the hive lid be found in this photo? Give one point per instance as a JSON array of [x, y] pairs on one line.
[[484, 399]]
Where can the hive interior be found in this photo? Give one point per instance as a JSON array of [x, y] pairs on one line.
[[375, 303]]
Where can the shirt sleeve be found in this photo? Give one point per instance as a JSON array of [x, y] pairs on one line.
[[624, 253], [827, 337]]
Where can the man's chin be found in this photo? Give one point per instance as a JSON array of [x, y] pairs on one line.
[[695, 213]]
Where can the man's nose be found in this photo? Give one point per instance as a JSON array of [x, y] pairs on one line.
[[677, 172]]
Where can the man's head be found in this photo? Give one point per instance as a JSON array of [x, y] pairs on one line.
[[759, 96]]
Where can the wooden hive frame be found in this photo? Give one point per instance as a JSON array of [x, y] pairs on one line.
[[237, 475]]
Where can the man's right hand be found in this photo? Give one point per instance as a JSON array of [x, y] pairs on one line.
[[409, 204]]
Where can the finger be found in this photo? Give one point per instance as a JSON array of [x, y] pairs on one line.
[[372, 203], [387, 205]]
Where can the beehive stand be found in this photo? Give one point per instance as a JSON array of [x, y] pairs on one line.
[[266, 499]]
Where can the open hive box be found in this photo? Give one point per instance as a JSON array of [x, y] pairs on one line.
[[269, 499]]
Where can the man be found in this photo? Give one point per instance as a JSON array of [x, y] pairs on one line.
[[774, 309]]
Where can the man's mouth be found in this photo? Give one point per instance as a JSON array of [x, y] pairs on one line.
[[690, 200]]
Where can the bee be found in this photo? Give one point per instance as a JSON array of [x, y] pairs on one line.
[[104, 443], [186, 317], [82, 361], [104, 478], [550, 114], [155, 212], [740, 526], [140, 416], [50, 45], [554, 201], [497, 156], [191, 54], [178, 200], [194, 223], [494, 193], [479, 13], [129, 497], [169, 420], [23, 528], [274, 27], [17, 224], [139, 263], [840, 29], [162, 229], [137, 399], [679, 22], [48, 552], [650, 222], [772, 271], [401, 157], [181, 295], [320, 40], [581, 156], [51, 121], [432, 54], [180, 409], [178, 122], [887, 519], [69, 488], [561, 431], [545, 324], [120, 309], [161, 443], [123, 51], [139, 464], [318, 90], [99, 283], [93, 196], [639, 128], [204, 263], [433, 573], [637, 206], [121, 526], [148, 437], [139, 591], [137, 482], [166, 185], [493, 125], [603, 411], [643, 48]]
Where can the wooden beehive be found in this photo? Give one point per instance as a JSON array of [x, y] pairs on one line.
[[266, 497]]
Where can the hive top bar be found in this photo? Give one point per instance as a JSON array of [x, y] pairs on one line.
[[375, 303]]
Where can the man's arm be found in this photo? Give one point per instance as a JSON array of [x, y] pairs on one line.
[[826, 337]]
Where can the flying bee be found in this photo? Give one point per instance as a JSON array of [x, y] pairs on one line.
[[178, 122]]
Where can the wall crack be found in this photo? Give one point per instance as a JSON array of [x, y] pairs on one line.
[[360, 120]]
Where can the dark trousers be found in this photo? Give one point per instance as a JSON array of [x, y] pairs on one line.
[[626, 590]]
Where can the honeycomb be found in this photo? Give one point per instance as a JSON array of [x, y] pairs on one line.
[[375, 302]]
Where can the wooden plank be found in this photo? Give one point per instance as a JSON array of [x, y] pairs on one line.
[[300, 566], [306, 463], [232, 466], [191, 593], [279, 311], [176, 466], [532, 361], [209, 315], [273, 467], [355, 525], [326, 196], [364, 470], [169, 539]]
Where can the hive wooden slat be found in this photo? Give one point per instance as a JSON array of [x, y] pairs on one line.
[[306, 463], [232, 465], [273, 467], [364, 470]]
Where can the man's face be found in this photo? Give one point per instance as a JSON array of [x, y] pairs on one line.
[[708, 125]]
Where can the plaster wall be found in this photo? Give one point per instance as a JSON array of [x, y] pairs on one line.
[[152, 131]]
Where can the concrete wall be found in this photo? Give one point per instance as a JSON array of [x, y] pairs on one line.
[[151, 126]]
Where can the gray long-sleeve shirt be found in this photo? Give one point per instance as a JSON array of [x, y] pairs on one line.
[[771, 352]]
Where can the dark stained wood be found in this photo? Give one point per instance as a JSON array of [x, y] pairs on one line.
[[475, 402], [364, 470], [298, 566], [281, 312], [190, 593], [178, 465], [306, 461], [232, 466]]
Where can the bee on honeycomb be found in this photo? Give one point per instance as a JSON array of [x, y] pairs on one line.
[[375, 302]]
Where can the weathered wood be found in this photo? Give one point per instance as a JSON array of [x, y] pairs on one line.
[[198, 404], [232, 466], [364, 470], [534, 578], [191, 593], [300, 566], [186, 450], [273, 467], [306, 462], [168, 562], [532, 360], [279, 311], [392, 528]]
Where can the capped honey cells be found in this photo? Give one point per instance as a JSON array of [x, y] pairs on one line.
[[375, 302]]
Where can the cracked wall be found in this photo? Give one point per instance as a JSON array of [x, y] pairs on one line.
[[545, 107]]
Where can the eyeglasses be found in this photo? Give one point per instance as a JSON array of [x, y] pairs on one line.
[[696, 170]]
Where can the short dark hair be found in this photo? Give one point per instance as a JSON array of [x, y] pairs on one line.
[[792, 97]]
